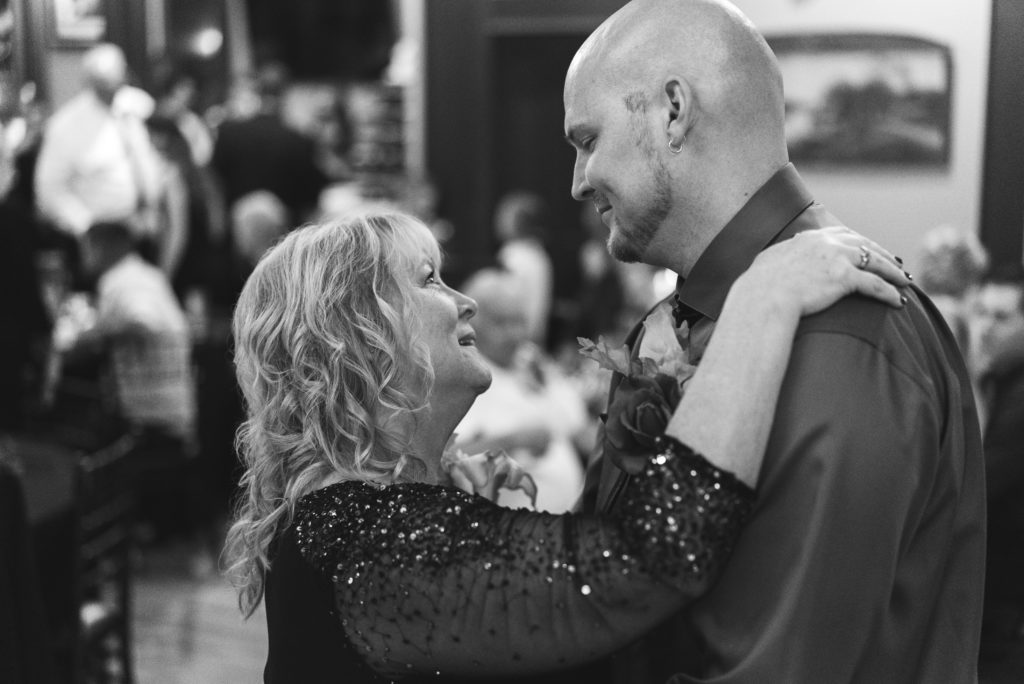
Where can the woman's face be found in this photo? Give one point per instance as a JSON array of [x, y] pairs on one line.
[[459, 368]]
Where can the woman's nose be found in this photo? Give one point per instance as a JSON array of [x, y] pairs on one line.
[[467, 305]]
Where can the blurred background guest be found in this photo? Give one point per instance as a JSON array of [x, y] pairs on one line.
[[24, 320], [96, 163], [520, 224], [172, 214], [261, 152], [951, 264], [142, 328], [999, 323], [531, 410], [174, 87]]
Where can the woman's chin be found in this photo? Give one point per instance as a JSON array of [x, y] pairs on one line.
[[483, 381]]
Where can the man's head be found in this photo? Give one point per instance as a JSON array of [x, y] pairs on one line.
[[520, 214], [258, 220], [999, 315], [105, 70], [175, 86], [502, 325], [676, 112]]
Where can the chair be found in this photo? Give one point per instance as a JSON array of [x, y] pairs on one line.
[[26, 653], [106, 514]]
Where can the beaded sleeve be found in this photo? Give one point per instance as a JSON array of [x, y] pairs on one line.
[[431, 580]]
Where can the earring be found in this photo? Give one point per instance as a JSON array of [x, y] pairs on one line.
[[676, 149]]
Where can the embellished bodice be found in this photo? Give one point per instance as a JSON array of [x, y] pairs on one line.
[[429, 580]]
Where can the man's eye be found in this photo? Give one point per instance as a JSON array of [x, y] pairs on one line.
[[588, 143]]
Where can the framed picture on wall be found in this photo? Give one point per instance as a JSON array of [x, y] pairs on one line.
[[77, 22], [865, 100]]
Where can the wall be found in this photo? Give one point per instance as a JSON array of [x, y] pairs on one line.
[[897, 206]]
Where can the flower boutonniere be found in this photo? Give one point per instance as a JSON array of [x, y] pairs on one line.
[[486, 473], [650, 389]]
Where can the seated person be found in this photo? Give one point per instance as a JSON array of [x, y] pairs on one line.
[[140, 321], [999, 328], [143, 328], [531, 410]]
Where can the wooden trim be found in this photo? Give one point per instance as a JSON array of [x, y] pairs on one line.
[[1002, 194]]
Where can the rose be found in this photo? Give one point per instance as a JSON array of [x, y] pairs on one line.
[[649, 390], [638, 415]]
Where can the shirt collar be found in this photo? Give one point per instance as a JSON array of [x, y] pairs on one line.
[[761, 221]]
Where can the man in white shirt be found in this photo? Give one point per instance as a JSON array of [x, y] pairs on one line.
[[96, 163], [140, 321]]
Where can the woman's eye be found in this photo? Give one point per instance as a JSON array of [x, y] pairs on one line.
[[431, 278]]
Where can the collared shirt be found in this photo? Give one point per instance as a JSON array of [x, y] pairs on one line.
[[150, 346], [95, 164], [863, 560]]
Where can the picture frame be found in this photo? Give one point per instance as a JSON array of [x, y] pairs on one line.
[[855, 100], [11, 60], [77, 23]]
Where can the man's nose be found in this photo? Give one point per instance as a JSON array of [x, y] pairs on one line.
[[581, 188]]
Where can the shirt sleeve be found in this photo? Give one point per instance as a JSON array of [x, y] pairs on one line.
[[429, 579], [852, 453]]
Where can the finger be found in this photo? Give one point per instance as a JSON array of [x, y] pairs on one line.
[[461, 481], [871, 285], [881, 251], [867, 259], [851, 237], [477, 469]]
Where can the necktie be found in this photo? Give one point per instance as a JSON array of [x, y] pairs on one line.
[[123, 128], [683, 312]]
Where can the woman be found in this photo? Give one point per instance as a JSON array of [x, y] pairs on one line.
[[356, 362]]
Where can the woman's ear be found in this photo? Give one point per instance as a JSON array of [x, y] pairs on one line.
[[682, 111]]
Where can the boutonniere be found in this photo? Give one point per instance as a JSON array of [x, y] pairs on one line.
[[650, 389], [486, 473]]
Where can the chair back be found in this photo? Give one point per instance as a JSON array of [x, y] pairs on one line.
[[26, 650], [106, 520]]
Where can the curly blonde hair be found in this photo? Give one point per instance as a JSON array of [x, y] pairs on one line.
[[331, 371]]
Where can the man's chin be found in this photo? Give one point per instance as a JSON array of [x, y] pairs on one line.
[[620, 247]]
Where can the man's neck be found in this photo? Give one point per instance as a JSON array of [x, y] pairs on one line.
[[714, 207]]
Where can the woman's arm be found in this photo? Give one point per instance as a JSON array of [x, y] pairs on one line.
[[430, 578], [726, 412]]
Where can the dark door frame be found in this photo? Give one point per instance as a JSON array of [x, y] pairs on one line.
[[1002, 200]]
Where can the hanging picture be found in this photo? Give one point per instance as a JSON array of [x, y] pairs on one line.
[[854, 99]]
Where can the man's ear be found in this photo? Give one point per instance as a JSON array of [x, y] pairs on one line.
[[682, 110]]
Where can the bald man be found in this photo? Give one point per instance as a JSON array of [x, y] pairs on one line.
[[96, 163], [863, 560]]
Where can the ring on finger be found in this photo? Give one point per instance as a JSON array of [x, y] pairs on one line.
[[865, 258]]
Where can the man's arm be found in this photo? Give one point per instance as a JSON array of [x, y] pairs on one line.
[[851, 457]]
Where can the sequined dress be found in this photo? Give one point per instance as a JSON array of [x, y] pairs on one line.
[[420, 582]]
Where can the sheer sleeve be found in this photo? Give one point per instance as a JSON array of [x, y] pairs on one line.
[[431, 580]]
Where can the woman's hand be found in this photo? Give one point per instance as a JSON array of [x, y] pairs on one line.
[[726, 412], [816, 268], [487, 473]]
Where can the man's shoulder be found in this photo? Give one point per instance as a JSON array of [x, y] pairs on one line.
[[912, 340], [855, 316]]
